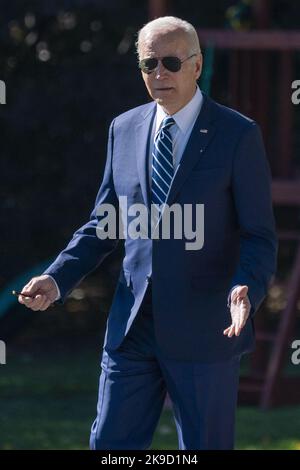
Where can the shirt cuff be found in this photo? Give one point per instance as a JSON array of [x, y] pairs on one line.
[[58, 290]]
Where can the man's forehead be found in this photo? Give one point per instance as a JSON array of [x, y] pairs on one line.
[[168, 41]]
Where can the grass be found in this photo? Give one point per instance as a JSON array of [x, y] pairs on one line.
[[48, 402]]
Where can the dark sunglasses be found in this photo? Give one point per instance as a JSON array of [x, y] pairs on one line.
[[173, 64]]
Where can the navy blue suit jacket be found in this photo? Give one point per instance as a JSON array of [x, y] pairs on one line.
[[225, 169]]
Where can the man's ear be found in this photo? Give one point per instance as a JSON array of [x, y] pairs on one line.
[[199, 64]]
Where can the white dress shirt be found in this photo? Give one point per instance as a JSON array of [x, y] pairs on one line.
[[184, 119]]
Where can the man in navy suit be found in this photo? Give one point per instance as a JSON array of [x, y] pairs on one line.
[[181, 317]]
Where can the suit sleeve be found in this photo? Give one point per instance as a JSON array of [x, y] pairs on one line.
[[86, 251], [251, 183]]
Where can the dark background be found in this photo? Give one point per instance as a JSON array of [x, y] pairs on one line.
[[69, 68]]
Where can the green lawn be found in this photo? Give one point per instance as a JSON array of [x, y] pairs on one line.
[[48, 402]]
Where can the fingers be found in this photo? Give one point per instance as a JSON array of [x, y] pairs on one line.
[[232, 330], [31, 287], [239, 293], [240, 308], [46, 304], [28, 301], [239, 313], [39, 302], [25, 300], [229, 331], [41, 293], [237, 330]]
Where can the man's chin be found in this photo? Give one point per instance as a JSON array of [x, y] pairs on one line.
[[162, 100], [165, 93]]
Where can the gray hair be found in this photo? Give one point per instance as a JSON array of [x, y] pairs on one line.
[[169, 24]]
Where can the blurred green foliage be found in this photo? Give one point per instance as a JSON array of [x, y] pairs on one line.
[[48, 401]]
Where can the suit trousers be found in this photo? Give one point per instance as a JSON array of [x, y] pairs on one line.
[[134, 381]]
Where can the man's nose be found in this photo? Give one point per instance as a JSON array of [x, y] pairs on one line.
[[160, 70]]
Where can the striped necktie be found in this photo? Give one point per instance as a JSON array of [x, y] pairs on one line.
[[162, 165]]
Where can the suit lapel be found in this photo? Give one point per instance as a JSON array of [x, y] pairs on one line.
[[202, 133], [142, 135]]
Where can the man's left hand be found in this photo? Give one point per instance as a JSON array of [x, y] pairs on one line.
[[239, 308]]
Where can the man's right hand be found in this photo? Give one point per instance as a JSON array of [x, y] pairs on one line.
[[42, 289]]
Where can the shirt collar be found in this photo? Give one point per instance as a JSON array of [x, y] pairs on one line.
[[186, 116]]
